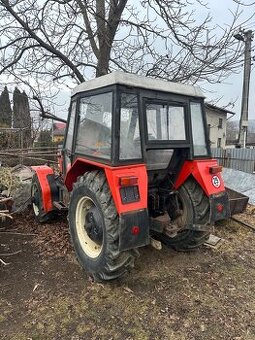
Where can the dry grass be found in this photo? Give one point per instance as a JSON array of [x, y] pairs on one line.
[[206, 294]]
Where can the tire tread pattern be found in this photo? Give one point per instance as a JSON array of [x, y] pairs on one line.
[[191, 239], [116, 263]]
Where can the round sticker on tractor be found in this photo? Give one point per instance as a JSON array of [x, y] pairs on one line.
[[216, 181]]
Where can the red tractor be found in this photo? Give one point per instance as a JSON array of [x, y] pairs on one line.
[[135, 163]]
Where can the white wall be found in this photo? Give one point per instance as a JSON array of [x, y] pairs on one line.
[[215, 132]]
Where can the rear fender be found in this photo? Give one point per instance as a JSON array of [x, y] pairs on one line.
[[113, 175], [200, 169], [48, 187]]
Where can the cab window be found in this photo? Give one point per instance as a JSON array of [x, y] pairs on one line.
[[95, 126], [165, 122], [130, 141], [198, 131]]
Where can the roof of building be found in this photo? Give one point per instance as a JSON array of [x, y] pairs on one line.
[[59, 126], [217, 108], [134, 80], [59, 129]]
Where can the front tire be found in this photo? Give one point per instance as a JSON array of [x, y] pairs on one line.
[[94, 229], [37, 202], [195, 210]]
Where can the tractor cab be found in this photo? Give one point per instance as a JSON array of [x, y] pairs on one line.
[[126, 119], [135, 166]]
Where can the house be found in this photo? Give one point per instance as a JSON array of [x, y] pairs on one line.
[[216, 125], [58, 132], [232, 134]]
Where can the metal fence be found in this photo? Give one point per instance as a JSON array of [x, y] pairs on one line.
[[239, 159]]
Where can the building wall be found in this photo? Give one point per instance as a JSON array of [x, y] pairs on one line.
[[216, 122]]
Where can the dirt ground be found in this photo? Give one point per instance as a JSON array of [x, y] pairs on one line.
[[206, 294]]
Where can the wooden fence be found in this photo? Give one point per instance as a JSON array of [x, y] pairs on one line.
[[239, 159], [28, 156]]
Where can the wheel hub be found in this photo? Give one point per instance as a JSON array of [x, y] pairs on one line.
[[93, 225]]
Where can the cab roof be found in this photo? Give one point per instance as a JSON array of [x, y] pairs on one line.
[[133, 80]]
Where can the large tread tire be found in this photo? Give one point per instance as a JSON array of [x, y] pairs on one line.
[[37, 202], [197, 209], [109, 263]]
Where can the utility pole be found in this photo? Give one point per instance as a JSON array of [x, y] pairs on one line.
[[246, 37]]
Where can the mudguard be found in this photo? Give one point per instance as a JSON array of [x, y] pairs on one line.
[[200, 169], [113, 175], [48, 188], [134, 220], [212, 184]]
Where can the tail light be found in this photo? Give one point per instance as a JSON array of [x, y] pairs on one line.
[[129, 190], [215, 169], [128, 181]]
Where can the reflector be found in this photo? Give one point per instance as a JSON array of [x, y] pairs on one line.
[[220, 207], [135, 230]]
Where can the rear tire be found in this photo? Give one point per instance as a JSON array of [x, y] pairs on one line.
[[195, 210], [37, 202], [94, 229]]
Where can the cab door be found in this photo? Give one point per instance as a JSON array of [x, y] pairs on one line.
[[68, 143]]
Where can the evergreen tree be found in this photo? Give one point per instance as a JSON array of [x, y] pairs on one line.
[[26, 110], [17, 109], [21, 115], [5, 109], [26, 119]]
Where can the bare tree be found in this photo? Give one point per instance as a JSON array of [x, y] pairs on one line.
[[243, 3], [68, 41]]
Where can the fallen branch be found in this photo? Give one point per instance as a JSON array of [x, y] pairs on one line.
[[22, 208], [5, 199], [15, 233], [5, 215], [4, 263], [10, 254]]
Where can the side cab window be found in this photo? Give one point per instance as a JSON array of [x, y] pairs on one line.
[[69, 135], [69, 139]]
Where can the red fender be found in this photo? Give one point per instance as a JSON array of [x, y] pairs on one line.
[[113, 175], [42, 171], [200, 170]]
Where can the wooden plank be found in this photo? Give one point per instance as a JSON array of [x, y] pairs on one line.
[[244, 223]]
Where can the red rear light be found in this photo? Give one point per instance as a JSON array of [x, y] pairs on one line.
[[135, 230], [128, 181], [215, 169]]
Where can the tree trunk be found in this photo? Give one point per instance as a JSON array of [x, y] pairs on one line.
[[103, 62]]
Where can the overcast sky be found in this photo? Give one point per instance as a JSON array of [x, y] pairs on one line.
[[231, 89]]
